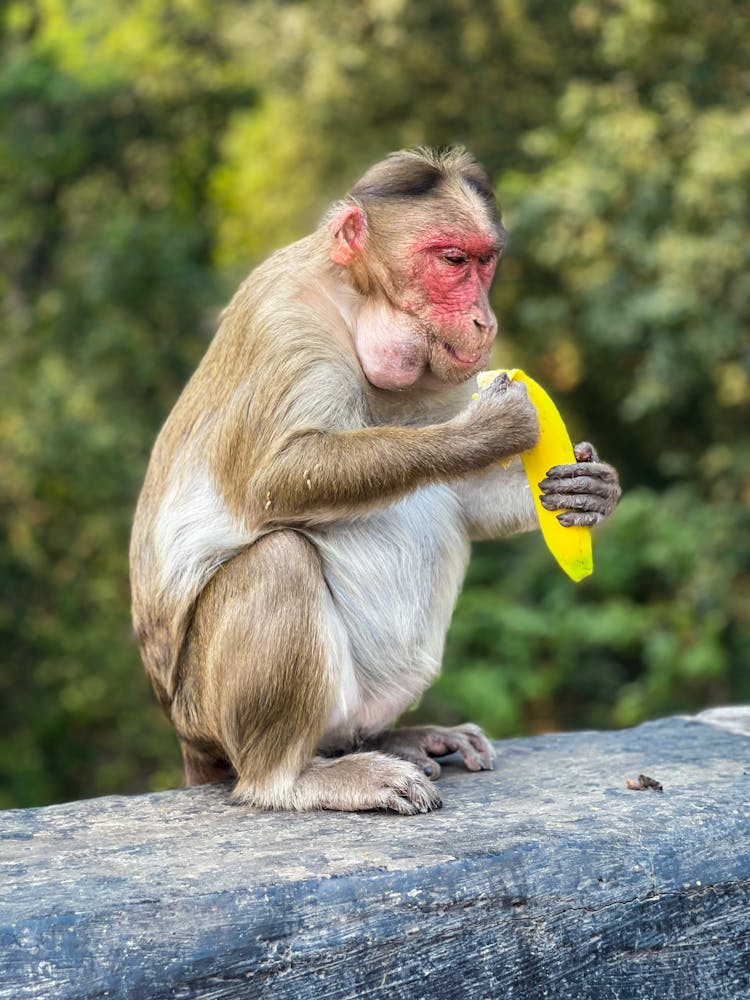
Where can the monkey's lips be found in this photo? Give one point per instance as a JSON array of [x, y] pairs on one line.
[[451, 365], [460, 357]]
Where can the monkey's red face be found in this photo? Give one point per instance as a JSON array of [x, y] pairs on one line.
[[431, 321], [451, 274], [442, 327]]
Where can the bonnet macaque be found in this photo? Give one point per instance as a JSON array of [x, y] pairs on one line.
[[305, 523]]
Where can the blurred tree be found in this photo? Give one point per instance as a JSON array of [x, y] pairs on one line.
[[627, 287], [108, 293], [149, 154], [343, 83]]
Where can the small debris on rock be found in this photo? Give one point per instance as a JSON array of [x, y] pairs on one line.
[[643, 783]]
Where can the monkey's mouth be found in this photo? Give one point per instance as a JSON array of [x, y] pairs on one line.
[[461, 358]]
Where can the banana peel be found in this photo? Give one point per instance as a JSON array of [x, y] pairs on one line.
[[571, 546]]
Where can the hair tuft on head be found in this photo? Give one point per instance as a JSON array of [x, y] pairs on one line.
[[414, 173]]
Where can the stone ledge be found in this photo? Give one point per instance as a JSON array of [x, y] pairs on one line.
[[544, 878]]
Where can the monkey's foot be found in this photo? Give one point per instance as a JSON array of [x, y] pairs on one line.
[[354, 783], [419, 744]]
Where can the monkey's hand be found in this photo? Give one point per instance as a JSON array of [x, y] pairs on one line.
[[585, 492], [504, 411]]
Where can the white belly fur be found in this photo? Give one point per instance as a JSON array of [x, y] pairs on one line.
[[393, 579]]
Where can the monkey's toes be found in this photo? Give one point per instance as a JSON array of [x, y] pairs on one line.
[[413, 800], [406, 790], [415, 755], [470, 742], [420, 744]]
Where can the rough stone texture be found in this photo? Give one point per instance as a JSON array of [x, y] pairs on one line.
[[545, 878]]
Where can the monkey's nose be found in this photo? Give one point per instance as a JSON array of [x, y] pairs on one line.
[[484, 327]]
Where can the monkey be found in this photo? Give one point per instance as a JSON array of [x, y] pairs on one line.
[[305, 522]]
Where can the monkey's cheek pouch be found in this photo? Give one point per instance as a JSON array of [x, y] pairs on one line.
[[571, 547]]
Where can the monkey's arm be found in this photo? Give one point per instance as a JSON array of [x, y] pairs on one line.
[[498, 502], [322, 475], [326, 471]]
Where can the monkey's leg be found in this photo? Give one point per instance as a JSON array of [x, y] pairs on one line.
[[201, 768], [420, 744], [263, 666]]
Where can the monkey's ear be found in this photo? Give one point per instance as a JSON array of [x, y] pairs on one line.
[[348, 229]]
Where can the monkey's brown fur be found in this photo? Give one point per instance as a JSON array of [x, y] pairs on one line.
[[329, 428]]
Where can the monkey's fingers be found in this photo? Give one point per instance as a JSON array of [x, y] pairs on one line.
[[497, 385], [584, 451], [572, 519], [594, 485], [582, 502], [595, 470], [585, 493]]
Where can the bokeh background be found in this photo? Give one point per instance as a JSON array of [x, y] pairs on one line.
[[152, 151]]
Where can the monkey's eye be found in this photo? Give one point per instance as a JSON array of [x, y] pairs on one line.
[[486, 258], [455, 258]]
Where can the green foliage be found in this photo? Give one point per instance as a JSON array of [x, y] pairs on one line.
[[149, 154], [107, 288], [660, 627]]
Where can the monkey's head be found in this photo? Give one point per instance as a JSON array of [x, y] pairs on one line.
[[419, 236]]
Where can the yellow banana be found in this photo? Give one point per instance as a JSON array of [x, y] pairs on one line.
[[571, 547]]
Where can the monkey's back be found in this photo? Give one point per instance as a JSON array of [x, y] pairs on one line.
[[251, 388]]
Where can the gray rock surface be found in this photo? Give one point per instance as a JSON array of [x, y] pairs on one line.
[[544, 878]]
